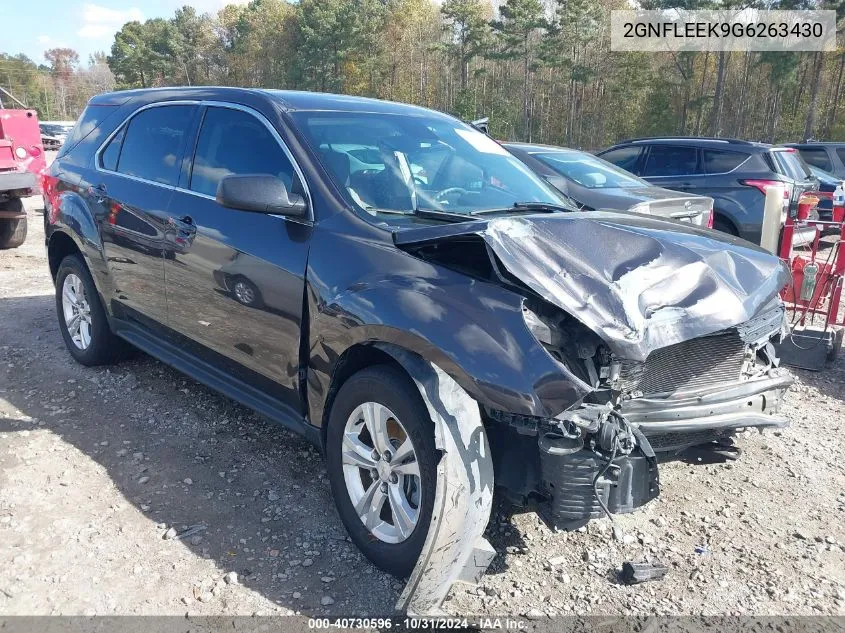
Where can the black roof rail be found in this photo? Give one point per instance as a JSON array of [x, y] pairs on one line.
[[669, 137]]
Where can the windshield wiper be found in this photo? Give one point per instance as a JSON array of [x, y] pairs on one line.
[[527, 207], [448, 216], [428, 214]]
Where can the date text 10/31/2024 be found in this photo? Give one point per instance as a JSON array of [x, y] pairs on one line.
[[408, 623]]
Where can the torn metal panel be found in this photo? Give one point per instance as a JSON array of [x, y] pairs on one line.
[[454, 549], [641, 283]]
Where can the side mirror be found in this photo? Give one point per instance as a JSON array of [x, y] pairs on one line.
[[482, 125], [262, 193]]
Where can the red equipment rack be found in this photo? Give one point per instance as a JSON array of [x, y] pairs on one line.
[[827, 294]]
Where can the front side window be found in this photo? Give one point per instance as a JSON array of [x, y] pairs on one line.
[[154, 142], [671, 160], [816, 156], [398, 162], [235, 143], [589, 171]]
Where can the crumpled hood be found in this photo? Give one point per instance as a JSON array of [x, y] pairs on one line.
[[640, 283]]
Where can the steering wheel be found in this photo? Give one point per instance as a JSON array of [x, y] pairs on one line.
[[440, 195]]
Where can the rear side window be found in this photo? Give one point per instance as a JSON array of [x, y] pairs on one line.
[[89, 120], [671, 160], [841, 153], [233, 142], [624, 157], [720, 162], [154, 142], [816, 156]]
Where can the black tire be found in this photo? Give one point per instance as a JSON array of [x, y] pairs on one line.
[[392, 388], [105, 348], [12, 231]]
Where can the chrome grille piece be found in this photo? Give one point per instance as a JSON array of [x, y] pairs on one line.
[[693, 364]]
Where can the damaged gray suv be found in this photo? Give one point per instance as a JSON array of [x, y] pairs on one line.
[[398, 288]]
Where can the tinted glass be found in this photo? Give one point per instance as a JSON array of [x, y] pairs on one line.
[[789, 164], [719, 162], [154, 142], [671, 160], [109, 155], [817, 157], [624, 157], [233, 142], [840, 152], [401, 162], [589, 171], [89, 120]]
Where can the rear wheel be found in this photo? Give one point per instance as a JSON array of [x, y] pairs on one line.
[[381, 460], [82, 319], [12, 231]]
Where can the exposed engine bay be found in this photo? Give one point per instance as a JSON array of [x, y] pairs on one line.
[[667, 339], [601, 457]]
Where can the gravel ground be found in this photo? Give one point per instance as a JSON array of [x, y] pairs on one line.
[[134, 490]]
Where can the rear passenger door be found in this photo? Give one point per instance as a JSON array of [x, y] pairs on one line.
[[131, 188], [235, 279], [676, 167]]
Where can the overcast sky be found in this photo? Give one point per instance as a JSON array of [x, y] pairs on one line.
[[33, 26]]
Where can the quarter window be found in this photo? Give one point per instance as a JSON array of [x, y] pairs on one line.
[[110, 155], [234, 142], [720, 162], [671, 160], [153, 144]]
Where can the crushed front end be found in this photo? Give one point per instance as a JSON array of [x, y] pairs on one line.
[[601, 457], [661, 335]]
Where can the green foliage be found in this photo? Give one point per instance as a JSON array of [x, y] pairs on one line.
[[540, 69]]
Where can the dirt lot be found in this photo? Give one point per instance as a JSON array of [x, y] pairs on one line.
[[99, 467]]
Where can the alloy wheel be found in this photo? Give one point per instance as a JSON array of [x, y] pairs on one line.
[[76, 311], [244, 293], [381, 472]]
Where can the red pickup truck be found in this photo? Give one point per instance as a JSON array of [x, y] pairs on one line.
[[21, 162]]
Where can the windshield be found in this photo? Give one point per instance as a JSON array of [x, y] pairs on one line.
[[589, 171], [397, 162]]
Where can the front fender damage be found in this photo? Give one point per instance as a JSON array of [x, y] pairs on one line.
[[455, 548]]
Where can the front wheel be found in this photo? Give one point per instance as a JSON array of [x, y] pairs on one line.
[[382, 464], [246, 293]]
